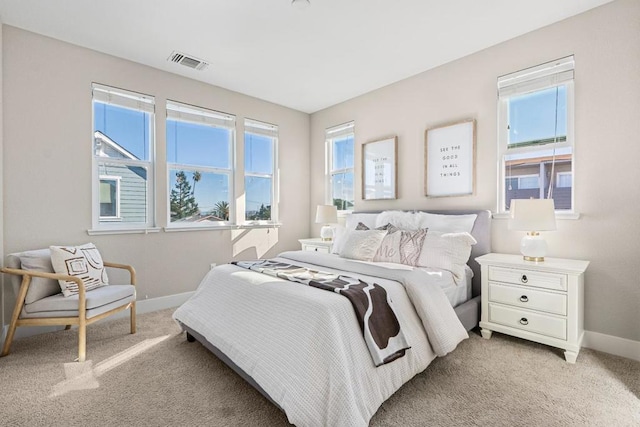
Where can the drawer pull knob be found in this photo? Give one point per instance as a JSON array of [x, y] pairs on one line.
[[524, 321], [524, 298], [524, 279]]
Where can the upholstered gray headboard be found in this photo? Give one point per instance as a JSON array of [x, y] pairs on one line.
[[481, 232]]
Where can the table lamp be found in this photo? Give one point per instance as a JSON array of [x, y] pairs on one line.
[[326, 214], [532, 216]]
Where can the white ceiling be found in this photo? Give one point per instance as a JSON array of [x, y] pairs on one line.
[[305, 59]]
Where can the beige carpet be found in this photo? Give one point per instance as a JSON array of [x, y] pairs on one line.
[[156, 378]]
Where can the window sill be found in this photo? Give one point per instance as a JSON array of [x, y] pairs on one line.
[[559, 215], [172, 229], [104, 231]]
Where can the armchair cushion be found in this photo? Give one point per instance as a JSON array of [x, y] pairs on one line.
[[99, 300], [38, 260], [84, 262]]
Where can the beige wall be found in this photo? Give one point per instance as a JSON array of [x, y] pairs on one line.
[[47, 163], [606, 45]]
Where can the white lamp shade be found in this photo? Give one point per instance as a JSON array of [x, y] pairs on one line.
[[532, 215], [326, 214]]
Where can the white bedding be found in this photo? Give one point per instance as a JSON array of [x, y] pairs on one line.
[[304, 347], [456, 293]]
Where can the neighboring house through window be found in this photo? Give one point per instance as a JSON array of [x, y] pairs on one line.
[[200, 165], [260, 167], [340, 166], [535, 136], [123, 147]]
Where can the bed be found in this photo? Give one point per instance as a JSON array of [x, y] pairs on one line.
[[302, 348]]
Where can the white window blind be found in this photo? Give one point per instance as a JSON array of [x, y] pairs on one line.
[[123, 98], [541, 76], [340, 130], [260, 128], [198, 115]]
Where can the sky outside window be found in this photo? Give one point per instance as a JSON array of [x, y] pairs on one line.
[[532, 116], [128, 128]]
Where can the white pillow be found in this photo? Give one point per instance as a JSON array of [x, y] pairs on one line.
[[84, 262], [447, 251], [351, 222], [339, 234], [401, 219], [446, 223], [362, 244]]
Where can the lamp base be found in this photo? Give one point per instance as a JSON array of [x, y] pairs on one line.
[[326, 233], [533, 247]]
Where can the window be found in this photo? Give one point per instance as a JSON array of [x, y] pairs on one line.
[[340, 148], [260, 164], [523, 182], [200, 165], [535, 113], [123, 153], [110, 197], [564, 180]]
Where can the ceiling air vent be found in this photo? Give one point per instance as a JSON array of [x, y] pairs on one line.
[[187, 61]]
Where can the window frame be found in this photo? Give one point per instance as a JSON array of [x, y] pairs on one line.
[[135, 101], [331, 135], [544, 76], [180, 111], [270, 131]]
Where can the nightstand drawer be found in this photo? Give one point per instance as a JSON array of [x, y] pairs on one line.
[[528, 298], [536, 279], [313, 248], [529, 321]]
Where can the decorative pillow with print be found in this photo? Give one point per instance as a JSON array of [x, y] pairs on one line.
[[84, 262], [362, 244], [398, 246]]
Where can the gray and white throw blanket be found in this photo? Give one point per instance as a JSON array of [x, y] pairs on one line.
[[373, 308]]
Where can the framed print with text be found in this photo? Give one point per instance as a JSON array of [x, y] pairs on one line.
[[380, 169], [450, 159]]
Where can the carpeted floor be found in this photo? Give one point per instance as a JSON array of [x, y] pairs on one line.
[[157, 378]]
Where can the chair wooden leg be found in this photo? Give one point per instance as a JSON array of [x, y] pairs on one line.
[[9, 339], [22, 294], [133, 317], [82, 340]]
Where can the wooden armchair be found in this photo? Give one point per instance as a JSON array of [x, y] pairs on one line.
[[40, 303]]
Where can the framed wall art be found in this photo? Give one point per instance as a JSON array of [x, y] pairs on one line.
[[380, 169], [450, 159]]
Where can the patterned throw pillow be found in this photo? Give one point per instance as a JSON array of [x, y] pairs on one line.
[[84, 262], [362, 244], [398, 246]]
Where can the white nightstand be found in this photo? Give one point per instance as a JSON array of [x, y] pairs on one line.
[[316, 245], [537, 301]]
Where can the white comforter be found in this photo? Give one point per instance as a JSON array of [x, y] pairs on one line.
[[303, 346]]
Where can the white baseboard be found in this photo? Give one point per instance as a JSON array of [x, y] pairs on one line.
[[142, 306], [612, 345]]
